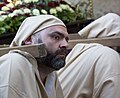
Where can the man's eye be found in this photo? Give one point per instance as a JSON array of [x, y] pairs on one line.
[[56, 37]]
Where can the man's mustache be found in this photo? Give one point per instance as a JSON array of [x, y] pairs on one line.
[[61, 52]]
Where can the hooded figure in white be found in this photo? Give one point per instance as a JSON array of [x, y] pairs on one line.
[[105, 26], [93, 70]]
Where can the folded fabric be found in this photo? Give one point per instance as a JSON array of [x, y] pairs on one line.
[[105, 26]]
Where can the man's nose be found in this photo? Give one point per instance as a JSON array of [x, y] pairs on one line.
[[64, 43]]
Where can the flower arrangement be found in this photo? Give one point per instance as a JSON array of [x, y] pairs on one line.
[[14, 12]]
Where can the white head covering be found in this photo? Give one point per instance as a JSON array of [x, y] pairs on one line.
[[105, 26], [32, 25]]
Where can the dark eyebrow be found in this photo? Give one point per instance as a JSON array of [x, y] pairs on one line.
[[57, 32]]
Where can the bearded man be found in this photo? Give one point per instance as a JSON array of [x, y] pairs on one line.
[[22, 75]]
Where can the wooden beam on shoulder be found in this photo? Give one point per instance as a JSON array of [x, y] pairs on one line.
[[37, 50], [108, 41]]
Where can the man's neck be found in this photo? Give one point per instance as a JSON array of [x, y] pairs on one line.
[[44, 71]]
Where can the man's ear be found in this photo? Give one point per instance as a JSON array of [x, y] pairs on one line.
[[28, 41]]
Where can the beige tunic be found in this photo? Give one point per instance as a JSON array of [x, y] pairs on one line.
[[19, 78], [92, 71]]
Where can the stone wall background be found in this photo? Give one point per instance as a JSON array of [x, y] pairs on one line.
[[101, 7]]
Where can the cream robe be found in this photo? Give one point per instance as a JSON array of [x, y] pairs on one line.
[[19, 78], [92, 71]]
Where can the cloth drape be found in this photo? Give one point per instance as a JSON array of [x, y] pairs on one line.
[[19, 78], [91, 71]]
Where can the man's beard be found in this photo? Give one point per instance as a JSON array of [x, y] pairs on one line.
[[53, 60]]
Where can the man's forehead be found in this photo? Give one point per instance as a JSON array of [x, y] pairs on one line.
[[59, 28]]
